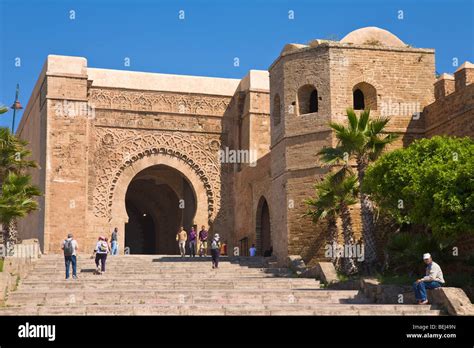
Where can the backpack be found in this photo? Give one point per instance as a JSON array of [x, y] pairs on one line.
[[68, 247], [103, 247], [214, 244]]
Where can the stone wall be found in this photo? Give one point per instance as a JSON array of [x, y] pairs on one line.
[[33, 128], [251, 181], [452, 113], [250, 185]]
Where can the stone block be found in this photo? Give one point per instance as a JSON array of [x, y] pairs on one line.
[[453, 300], [323, 271]]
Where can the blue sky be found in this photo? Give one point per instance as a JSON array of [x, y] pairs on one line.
[[212, 34]]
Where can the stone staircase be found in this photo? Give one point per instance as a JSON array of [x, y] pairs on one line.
[[169, 285]]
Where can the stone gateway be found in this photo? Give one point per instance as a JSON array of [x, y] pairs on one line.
[[143, 151]]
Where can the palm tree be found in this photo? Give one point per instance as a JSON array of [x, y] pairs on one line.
[[17, 193], [324, 207], [346, 195], [16, 201], [335, 196], [13, 154], [362, 140]]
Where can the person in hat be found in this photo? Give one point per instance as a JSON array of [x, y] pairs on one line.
[[215, 250], [433, 279], [70, 247]]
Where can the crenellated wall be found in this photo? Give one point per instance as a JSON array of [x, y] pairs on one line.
[[452, 113]]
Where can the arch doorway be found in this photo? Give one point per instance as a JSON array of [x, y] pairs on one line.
[[263, 233], [158, 200]]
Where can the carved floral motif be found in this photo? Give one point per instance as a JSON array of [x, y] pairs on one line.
[[159, 101], [116, 149]]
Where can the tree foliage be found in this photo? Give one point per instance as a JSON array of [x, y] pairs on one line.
[[431, 183]]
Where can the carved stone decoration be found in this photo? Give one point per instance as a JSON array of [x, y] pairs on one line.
[[103, 98], [214, 145], [116, 149]]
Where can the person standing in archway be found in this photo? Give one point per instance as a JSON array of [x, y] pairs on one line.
[[192, 242], [203, 234], [114, 242], [215, 250], [181, 238]]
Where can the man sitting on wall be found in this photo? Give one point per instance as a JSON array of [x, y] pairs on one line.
[[433, 279]]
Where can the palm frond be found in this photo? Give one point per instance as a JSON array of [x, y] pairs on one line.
[[376, 126], [352, 118], [332, 155], [364, 120]]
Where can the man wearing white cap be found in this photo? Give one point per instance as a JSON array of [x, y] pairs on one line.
[[432, 280]]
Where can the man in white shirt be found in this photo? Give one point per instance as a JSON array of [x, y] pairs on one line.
[[433, 279]]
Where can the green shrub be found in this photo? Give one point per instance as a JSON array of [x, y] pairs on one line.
[[429, 183]]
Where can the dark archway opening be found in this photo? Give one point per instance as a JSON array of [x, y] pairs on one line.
[[307, 99], [359, 102], [263, 232], [158, 201], [313, 101]]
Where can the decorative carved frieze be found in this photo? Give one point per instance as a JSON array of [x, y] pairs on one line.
[[159, 101], [116, 149]]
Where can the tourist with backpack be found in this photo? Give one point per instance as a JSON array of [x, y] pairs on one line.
[[203, 234], [101, 250], [70, 247], [215, 250], [114, 242]]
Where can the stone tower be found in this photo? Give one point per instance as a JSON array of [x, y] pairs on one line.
[[311, 85]]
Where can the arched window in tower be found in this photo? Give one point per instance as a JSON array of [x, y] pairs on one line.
[[308, 100], [276, 110], [359, 103], [313, 101], [364, 96]]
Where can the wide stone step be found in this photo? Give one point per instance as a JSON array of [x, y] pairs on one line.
[[152, 275], [223, 309], [98, 281], [97, 296]]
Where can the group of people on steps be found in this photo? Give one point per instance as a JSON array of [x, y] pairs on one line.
[[103, 248], [182, 238]]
